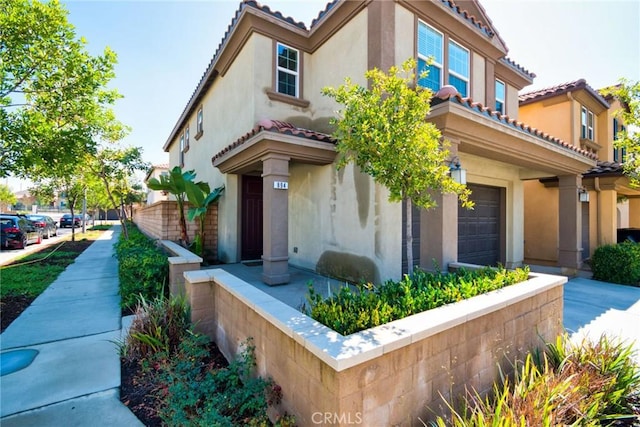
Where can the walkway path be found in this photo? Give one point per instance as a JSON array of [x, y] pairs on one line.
[[74, 324]]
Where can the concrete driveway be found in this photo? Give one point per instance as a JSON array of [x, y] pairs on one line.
[[593, 308]]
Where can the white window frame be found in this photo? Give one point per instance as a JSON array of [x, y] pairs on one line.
[[186, 137], [426, 58], [451, 72], [503, 100], [181, 149], [590, 125], [295, 73], [583, 122], [199, 121]]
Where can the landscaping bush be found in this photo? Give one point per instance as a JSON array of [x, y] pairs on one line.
[[188, 386], [618, 263], [586, 384], [143, 268], [354, 309]]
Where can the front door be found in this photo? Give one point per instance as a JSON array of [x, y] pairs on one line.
[[251, 228]]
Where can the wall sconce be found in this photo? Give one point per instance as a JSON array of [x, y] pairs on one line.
[[583, 195], [458, 174]]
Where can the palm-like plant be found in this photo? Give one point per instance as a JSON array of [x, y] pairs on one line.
[[175, 183], [200, 197]]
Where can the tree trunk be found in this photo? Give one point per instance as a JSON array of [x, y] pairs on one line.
[[115, 206], [183, 223], [409, 231]]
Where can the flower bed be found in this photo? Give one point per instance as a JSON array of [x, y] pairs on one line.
[[391, 374]]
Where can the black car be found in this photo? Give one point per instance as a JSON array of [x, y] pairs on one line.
[[18, 231], [46, 223], [65, 221]]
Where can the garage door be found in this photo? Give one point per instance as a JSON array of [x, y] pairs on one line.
[[480, 231]]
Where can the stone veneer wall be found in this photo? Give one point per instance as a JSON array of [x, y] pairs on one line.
[[389, 375], [160, 221]]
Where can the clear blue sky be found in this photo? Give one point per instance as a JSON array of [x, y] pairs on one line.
[[164, 47]]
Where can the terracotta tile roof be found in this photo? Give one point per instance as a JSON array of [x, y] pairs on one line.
[[464, 14], [276, 126], [503, 118], [511, 63], [209, 72], [605, 168], [560, 89], [324, 12]]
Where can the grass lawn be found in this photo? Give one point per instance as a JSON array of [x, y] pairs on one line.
[[27, 277]]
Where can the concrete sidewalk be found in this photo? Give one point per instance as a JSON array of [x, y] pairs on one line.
[[74, 325]]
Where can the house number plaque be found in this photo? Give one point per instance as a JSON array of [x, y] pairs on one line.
[[281, 185]]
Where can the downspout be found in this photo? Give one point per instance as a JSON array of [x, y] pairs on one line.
[[596, 186]]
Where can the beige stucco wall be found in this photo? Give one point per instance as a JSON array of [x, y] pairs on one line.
[[346, 52], [552, 119], [488, 172], [342, 214], [541, 223], [513, 107], [405, 24], [478, 80]]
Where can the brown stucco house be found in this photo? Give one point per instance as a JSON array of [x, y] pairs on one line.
[[586, 119], [258, 124]]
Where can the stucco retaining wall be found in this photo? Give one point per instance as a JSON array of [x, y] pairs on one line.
[[389, 375]]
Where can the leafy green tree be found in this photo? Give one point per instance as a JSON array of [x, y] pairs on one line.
[[53, 94], [383, 130], [200, 198], [7, 198], [629, 95], [115, 167], [175, 183]]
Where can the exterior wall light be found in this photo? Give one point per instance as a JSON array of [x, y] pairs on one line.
[[458, 174], [583, 195]]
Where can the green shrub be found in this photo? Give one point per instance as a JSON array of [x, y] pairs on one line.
[[143, 268], [618, 263], [194, 395], [586, 384], [158, 326], [354, 309]]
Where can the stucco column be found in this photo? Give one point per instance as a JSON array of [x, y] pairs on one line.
[[570, 223], [607, 216], [439, 227], [439, 233], [634, 212], [275, 250]]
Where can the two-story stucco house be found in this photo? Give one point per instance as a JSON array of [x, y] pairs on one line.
[[258, 124], [584, 118]]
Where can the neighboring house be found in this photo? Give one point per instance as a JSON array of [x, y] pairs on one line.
[[156, 171], [258, 124], [585, 119]]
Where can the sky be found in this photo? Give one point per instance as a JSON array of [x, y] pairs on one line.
[[164, 47]]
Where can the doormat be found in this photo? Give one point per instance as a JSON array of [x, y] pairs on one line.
[[252, 263]]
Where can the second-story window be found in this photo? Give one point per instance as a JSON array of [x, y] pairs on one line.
[[186, 138], [199, 128], [586, 124], [287, 70], [182, 150], [459, 68], [430, 45], [500, 96]]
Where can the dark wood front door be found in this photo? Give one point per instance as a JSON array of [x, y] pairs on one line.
[[480, 231], [251, 228]]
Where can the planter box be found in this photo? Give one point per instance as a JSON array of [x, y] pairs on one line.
[[392, 374]]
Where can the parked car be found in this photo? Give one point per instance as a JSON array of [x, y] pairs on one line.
[[18, 231], [46, 223], [65, 221]]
